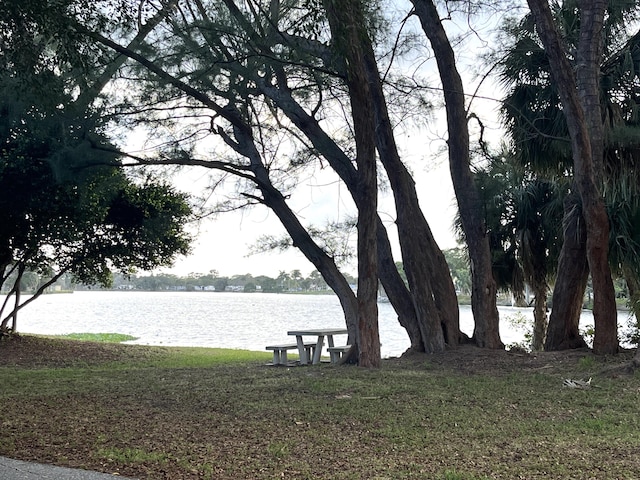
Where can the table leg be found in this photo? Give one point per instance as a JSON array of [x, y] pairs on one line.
[[318, 352], [330, 340], [304, 358]]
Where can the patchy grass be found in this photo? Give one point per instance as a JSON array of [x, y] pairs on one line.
[[99, 337], [183, 413]]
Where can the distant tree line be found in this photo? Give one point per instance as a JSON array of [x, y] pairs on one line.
[[292, 281]]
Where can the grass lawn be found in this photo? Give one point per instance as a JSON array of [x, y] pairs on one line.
[[193, 413]]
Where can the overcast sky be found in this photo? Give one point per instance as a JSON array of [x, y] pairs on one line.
[[222, 244]]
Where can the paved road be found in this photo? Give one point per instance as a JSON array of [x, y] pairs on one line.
[[18, 470]]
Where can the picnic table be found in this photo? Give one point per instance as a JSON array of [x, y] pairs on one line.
[[320, 333]]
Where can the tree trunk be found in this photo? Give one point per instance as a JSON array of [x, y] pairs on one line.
[[536, 275], [483, 294], [539, 320], [15, 291], [272, 198], [571, 281], [343, 166], [588, 59], [633, 286], [348, 30], [14, 315], [577, 98], [427, 271]]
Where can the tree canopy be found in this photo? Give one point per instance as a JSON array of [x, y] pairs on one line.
[[67, 205]]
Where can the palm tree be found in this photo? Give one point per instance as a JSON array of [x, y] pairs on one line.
[[539, 137], [523, 214]]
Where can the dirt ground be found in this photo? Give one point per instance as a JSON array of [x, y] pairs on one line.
[[32, 352], [28, 351]]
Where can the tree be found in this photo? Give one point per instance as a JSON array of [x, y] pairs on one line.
[[428, 276], [86, 224], [539, 143], [539, 131], [429, 312], [259, 44], [523, 213], [580, 96], [67, 204], [483, 297], [349, 36], [221, 284], [317, 282]]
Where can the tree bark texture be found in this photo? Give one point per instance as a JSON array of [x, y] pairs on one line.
[[483, 296], [633, 286], [539, 321], [571, 281], [348, 30], [576, 97]]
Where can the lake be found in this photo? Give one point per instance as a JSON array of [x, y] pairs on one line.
[[226, 319]]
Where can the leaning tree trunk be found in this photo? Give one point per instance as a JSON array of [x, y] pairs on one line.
[[483, 294], [343, 166], [272, 198], [348, 30], [571, 281], [427, 271], [578, 97], [397, 293], [15, 291], [14, 315]]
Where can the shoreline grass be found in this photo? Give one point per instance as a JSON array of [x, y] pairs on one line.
[[193, 413], [98, 337]]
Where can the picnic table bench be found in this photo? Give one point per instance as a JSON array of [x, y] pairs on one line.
[[280, 351], [336, 353], [320, 333]]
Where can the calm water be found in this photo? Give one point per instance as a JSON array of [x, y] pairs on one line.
[[226, 320]]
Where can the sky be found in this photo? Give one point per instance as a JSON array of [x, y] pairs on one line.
[[222, 243]]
